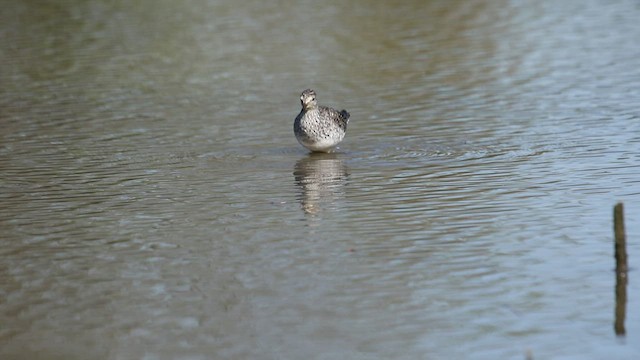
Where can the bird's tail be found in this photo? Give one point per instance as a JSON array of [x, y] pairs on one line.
[[345, 115], [344, 119]]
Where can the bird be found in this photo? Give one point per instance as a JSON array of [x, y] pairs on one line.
[[319, 128]]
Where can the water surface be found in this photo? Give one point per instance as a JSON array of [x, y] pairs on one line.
[[156, 204]]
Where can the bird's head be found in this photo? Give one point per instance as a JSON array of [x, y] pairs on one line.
[[308, 99]]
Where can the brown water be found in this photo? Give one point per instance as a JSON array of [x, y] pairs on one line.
[[156, 205]]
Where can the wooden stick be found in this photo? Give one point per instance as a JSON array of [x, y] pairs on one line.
[[621, 269], [621, 238]]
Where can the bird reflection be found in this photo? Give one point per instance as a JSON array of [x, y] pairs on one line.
[[321, 178]]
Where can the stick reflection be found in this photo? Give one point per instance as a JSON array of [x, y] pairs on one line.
[[621, 303]]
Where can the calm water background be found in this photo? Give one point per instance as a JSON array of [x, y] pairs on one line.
[[155, 204]]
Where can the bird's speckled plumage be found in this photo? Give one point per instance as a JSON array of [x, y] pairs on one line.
[[319, 128]]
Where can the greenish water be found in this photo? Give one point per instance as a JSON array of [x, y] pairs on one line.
[[156, 205]]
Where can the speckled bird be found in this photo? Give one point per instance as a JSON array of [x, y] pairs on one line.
[[319, 128]]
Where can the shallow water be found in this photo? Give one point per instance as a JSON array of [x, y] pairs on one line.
[[156, 204]]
